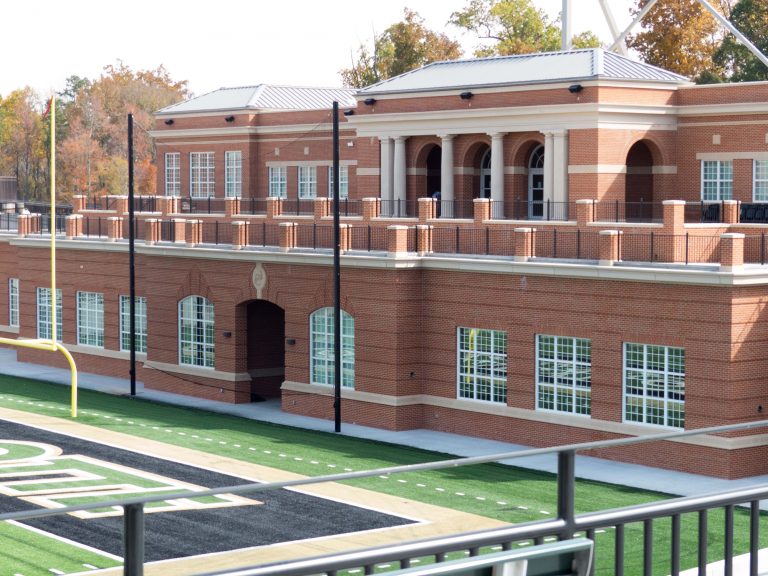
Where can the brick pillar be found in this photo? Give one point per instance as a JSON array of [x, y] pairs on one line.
[[78, 203], [322, 208], [371, 208], [167, 205], [114, 228], [482, 209], [524, 244], [193, 233], [239, 235], [397, 240], [179, 230], [609, 247], [424, 239], [24, 225], [730, 212], [585, 212], [274, 207], [427, 209], [731, 252], [231, 207], [71, 226], [287, 236], [345, 237], [674, 216], [152, 231], [120, 203]]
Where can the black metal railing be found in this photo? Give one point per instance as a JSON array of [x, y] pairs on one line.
[[398, 209], [616, 211], [207, 205], [570, 244]]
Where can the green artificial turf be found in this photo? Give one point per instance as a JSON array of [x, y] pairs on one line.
[[497, 491]]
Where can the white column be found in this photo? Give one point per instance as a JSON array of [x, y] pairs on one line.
[[560, 174], [549, 149], [385, 175], [497, 175], [399, 175], [446, 176]]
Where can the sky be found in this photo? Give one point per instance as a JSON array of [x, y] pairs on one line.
[[224, 43]]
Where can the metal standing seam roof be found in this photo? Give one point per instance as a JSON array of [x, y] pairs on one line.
[[536, 68], [264, 97]]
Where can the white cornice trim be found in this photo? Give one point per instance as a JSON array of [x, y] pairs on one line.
[[547, 417], [740, 109], [245, 130], [755, 155]]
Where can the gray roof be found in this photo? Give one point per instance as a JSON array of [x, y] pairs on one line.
[[537, 68], [264, 97]]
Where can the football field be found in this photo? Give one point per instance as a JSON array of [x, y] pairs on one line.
[[51, 462]]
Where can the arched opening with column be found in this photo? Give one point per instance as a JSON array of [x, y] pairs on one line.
[[638, 185], [432, 162], [536, 204]]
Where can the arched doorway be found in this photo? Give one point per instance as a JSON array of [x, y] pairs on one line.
[[263, 345], [485, 175], [536, 184], [434, 159], [638, 191]]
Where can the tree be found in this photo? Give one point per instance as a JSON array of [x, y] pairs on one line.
[[514, 27], [750, 17], [22, 143], [403, 46], [680, 36]]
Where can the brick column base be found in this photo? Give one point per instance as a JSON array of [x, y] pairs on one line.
[[609, 247]]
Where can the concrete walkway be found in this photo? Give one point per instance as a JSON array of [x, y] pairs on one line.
[[645, 477]]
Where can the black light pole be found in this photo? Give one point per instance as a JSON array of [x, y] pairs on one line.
[[131, 273], [336, 276]]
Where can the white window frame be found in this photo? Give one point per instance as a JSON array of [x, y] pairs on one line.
[[321, 345], [307, 182], [760, 180], [720, 183], [278, 181], [657, 387], [196, 332], [90, 319], [473, 381], [13, 302], [563, 374], [173, 174], [141, 324], [233, 174], [343, 182], [44, 314], [202, 174]]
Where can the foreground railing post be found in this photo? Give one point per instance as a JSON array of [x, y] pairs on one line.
[[566, 492], [133, 540]]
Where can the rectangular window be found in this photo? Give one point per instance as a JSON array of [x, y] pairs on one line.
[[482, 364], [654, 385], [307, 181], [13, 301], [90, 319], [564, 374], [44, 314], [278, 182], [141, 323], [716, 180], [233, 174], [201, 174], [173, 174], [760, 183], [343, 182]]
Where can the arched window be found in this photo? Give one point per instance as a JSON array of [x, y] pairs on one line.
[[537, 158], [196, 332], [321, 361]]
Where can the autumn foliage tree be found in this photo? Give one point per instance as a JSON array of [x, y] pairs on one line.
[[402, 47], [680, 36], [738, 64]]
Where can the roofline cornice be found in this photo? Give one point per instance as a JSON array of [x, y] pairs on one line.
[[245, 130]]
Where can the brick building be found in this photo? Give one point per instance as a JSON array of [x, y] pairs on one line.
[[540, 249]]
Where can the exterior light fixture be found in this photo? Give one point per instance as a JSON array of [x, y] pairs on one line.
[[466, 95], [349, 112], [169, 122], [575, 88], [229, 119], [369, 101]]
